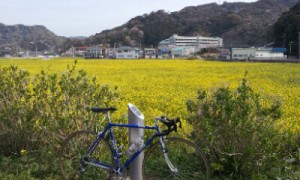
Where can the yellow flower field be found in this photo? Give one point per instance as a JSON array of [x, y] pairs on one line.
[[159, 87]]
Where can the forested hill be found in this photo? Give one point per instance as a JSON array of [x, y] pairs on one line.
[[286, 30], [27, 38], [240, 24]]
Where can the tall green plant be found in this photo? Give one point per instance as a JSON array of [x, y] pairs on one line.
[[15, 114], [38, 112], [237, 131], [61, 101]]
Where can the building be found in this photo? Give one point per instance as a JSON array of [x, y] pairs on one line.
[[75, 51], [79, 51], [224, 54], [258, 53], [270, 53], [95, 52], [197, 42], [182, 51], [150, 53], [127, 52], [243, 53]]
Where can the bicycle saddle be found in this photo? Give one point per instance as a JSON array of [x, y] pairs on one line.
[[103, 110]]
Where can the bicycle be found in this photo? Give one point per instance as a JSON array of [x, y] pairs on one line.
[[96, 155]]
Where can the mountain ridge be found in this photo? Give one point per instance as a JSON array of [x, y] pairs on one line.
[[240, 24], [21, 37]]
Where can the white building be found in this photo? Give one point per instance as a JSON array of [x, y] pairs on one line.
[[182, 51], [270, 53], [150, 53], [243, 53], [197, 42], [127, 52], [94, 52], [258, 54]]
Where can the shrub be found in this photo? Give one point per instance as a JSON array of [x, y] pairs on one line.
[[37, 113], [238, 133], [16, 117]]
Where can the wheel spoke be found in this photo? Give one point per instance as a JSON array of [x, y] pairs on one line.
[[75, 146], [184, 155]]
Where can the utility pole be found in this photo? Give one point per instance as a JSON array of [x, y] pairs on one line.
[[197, 44], [291, 47], [36, 49], [17, 51], [284, 37], [299, 45], [96, 48], [73, 53]]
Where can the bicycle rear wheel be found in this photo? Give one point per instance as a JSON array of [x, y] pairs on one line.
[[72, 150], [183, 154]]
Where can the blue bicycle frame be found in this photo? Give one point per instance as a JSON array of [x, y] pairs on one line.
[[118, 168]]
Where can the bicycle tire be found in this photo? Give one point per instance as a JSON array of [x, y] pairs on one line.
[[73, 149], [183, 154]]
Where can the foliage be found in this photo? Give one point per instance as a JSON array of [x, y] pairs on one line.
[[156, 87], [157, 27], [17, 38], [37, 113], [286, 30], [238, 133], [240, 24]]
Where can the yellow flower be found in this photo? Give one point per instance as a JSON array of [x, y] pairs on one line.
[[23, 152]]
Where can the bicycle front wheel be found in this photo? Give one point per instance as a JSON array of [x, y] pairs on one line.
[[183, 154], [72, 151]]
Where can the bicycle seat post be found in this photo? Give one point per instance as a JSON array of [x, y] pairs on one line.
[[107, 114]]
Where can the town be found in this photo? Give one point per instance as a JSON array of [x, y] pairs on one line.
[[188, 47]]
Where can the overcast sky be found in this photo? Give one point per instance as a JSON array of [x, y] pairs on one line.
[[86, 17]]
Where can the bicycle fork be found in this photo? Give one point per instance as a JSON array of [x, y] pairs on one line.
[[165, 152]]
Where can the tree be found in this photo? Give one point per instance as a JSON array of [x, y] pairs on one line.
[[286, 30]]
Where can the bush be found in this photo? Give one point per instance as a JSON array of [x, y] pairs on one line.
[[37, 113], [238, 133]]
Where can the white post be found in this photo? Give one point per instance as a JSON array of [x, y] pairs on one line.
[[136, 136]]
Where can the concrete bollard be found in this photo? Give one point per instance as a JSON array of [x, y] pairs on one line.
[[136, 138]]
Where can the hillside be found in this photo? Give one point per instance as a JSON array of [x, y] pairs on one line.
[[240, 24], [27, 38], [286, 30]]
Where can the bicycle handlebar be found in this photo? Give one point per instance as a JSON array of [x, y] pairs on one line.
[[170, 123]]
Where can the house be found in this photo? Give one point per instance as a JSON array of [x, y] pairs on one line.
[[75, 51], [150, 53], [127, 52], [258, 53], [270, 53], [182, 51], [79, 51], [95, 52], [224, 53], [243, 53]]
